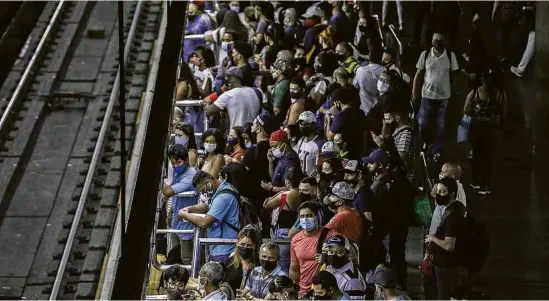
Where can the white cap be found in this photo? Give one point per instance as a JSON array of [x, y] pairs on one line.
[[329, 146], [307, 117]]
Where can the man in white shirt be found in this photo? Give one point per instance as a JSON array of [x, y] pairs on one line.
[[308, 147], [366, 81], [210, 276], [242, 103], [433, 74]]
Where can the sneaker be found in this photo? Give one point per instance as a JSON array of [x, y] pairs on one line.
[[516, 71], [475, 187], [484, 191]]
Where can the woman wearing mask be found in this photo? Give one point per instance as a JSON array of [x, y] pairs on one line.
[[283, 208], [198, 23], [327, 177], [213, 143], [487, 105], [235, 145], [231, 23], [324, 65], [184, 135], [327, 39], [188, 89], [244, 259], [302, 69], [202, 61], [366, 36]]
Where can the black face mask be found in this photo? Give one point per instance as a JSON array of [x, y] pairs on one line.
[[267, 265], [340, 57], [362, 28], [337, 261], [307, 130], [392, 125], [341, 146], [304, 197], [326, 177], [439, 45], [245, 253], [300, 62], [442, 200]]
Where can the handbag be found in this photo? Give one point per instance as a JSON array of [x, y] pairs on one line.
[[463, 129], [426, 267]]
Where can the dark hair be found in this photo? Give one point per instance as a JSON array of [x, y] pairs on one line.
[[335, 164], [294, 131], [298, 80], [329, 63], [450, 184], [325, 279], [232, 22], [178, 151], [313, 206], [247, 129], [280, 283], [207, 54], [376, 55], [348, 49], [309, 180], [395, 108], [346, 94], [186, 75], [244, 49], [239, 130], [219, 140], [200, 176], [294, 176], [188, 130], [267, 9], [234, 174], [176, 272], [298, 46], [276, 33]]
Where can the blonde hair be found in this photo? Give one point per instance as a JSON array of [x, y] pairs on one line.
[[328, 36], [454, 170], [254, 234]]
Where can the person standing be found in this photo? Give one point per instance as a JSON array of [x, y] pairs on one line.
[[432, 84], [308, 147], [528, 22]]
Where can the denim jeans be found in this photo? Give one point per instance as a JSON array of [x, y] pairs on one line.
[[432, 109], [447, 278]]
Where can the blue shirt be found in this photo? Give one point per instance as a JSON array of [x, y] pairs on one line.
[[199, 25], [282, 166], [182, 183], [224, 208]]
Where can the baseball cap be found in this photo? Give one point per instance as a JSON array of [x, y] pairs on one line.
[[307, 117], [343, 190], [234, 71], [338, 240], [385, 276], [351, 166], [312, 11], [268, 122], [329, 147], [377, 156], [279, 135]]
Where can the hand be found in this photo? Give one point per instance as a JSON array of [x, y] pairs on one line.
[[267, 186], [429, 238], [239, 293], [318, 258], [270, 155], [199, 161], [228, 159], [249, 296], [378, 140], [182, 212]]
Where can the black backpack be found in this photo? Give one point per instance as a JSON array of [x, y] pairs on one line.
[[247, 212], [478, 245]]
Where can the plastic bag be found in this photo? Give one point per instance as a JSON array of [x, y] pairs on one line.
[[463, 129]]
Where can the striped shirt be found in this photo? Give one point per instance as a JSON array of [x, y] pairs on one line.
[[259, 285], [404, 142]]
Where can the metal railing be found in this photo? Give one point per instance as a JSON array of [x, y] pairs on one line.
[[38, 53], [378, 26], [399, 43], [114, 252], [95, 158]]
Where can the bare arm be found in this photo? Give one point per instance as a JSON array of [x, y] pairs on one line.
[[467, 109], [418, 82], [217, 164], [297, 109], [193, 157], [272, 202], [198, 208], [211, 109], [202, 222], [448, 244], [167, 190], [294, 272]]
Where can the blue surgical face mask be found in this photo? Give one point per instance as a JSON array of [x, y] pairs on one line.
[[180, 169], [181, 140], [233, 141], [307, 223], [227, 46]]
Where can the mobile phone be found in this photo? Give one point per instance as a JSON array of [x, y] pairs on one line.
[[372, 133]]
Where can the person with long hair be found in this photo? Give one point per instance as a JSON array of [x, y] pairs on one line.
[[283, 208], [214, 145], [184, 135], [236, 147], [231, 25], [245, 258], [487, 105], [249, 138], [188, 89], [327, 39]]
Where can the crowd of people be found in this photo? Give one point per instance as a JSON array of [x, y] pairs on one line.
[[310, 132]]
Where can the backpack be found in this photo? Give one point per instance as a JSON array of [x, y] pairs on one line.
[[478, 244], [262, 107], [247, 213]]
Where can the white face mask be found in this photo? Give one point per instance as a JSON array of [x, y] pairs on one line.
[[235, 8], [277, 153], [382, 87], [293, 100], [248, 144], [210, 147]]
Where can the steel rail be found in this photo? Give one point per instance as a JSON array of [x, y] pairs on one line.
[[95, 158], [393, 32], [55, 19]]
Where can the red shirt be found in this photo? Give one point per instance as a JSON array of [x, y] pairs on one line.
[[347, 222]]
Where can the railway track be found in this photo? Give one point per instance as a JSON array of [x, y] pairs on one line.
[[59, 146]]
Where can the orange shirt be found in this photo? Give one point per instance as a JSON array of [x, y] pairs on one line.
[[348, 223]]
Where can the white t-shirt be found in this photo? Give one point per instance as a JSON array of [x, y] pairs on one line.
[[437, 74], [201, 77], [242, 104], [308, 153], [320, 85]]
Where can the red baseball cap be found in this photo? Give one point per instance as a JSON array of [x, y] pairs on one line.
[[279, 135]]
